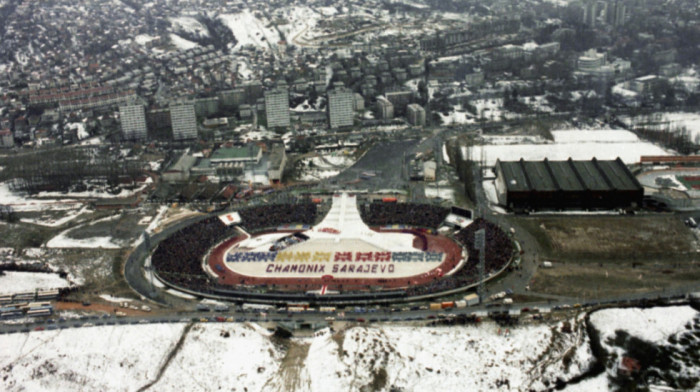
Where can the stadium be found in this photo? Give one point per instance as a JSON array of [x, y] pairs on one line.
[[339, 248]]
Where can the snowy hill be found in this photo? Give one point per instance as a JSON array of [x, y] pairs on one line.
[[238, 357]]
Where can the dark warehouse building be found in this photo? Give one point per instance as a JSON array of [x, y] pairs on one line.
[[594, 184]]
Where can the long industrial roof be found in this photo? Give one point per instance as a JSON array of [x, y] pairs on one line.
[[570, 175]]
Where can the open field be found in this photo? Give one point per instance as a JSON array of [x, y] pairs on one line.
[[618, 237], [603, 256]]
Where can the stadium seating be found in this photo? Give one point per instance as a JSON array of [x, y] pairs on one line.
[[411, 214]]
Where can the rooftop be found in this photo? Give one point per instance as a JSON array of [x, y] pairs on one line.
[[569, 175], [249, 152]]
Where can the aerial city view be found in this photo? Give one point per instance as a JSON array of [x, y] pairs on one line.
[[350, 195]]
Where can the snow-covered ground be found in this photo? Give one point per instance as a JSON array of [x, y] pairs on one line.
[[189, 25], [97, 359], [20, 282], [326, 166], [249, 30], [52, 221], [575, 144], [482, 357], [674, 121], [63, 240], [668, 344], [182, 43], [21, 201], [215, 356]]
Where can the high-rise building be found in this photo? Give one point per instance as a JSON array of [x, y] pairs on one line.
[[416, 114], [340, 107], [232, 98], [615, 13], [133, 119], [277, 107], [590, 13], [385, 109], [184, 121], [253, 90]]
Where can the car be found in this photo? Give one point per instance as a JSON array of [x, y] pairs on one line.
[[360, 320], [51, 327], [39, 328]]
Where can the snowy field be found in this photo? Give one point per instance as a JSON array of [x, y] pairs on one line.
[[216, 356], [668, 121], [21, 201], [227, 356], [64, 240], [21, 282], [90, 359], [249, 30], [574, 144]]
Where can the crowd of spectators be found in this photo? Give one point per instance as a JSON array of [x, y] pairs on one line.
[[419, 215], [178, 258], [273, 215], [499, 250]]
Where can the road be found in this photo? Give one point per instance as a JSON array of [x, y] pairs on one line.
[[354, 315]]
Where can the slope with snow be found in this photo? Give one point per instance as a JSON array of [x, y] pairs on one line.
[[87, 359], [181, 43], [249, 30], [665, 342], [190, 25], [232, 356]]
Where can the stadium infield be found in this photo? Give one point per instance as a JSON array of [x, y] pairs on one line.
[[340, 265]]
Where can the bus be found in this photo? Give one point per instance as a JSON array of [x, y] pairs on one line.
[[256, 307], [33, 305], [24, 296], [47, 294], [39, 312]]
